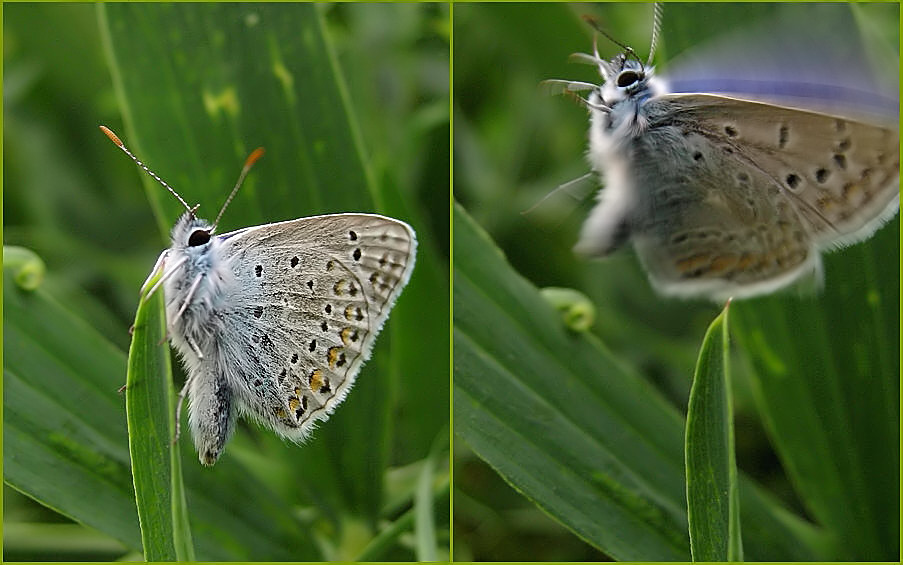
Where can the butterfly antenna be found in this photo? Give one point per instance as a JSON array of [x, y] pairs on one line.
[[249, 162], [657, 9], [594, 23], [115, 139]]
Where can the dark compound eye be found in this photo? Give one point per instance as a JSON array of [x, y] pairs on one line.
[[198, 237], [626, 78]]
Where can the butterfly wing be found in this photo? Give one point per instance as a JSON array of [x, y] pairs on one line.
[[311, 297], [739, 196], [842, 174]]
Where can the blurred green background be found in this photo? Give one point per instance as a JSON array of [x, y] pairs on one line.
[[351, 103], [514, 144]]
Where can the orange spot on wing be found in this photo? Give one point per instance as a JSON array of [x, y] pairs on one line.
[[333, 355], [693, 262], [745, 261], [723, 262], [316, 378]]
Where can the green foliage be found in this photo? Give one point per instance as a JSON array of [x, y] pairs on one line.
[[529, 400], [25, 265], [326, 90], [816, 376], [156, 463], [713, 509], [64, 436], [573, 428]]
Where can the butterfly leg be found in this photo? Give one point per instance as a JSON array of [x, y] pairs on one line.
[[194, 346], [188, 297], [168, 273], [179, 401]]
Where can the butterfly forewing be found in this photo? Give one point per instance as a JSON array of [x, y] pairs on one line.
[[841, 175], [752, 191], [323, 287]]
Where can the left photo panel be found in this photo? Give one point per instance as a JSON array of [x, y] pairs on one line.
[[226, 282]]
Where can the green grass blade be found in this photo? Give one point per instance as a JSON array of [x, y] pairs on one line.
[[377, 548], [551, 412], [64, 439], [156, 467], [574, 430], [222, 80], [425, 522], [424, 498], [712, 490], [827, 381]]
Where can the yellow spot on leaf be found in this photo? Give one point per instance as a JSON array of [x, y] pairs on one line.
[[225, 102], [283, 75]]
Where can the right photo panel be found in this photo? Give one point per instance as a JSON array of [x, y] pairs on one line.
[[676, 298]]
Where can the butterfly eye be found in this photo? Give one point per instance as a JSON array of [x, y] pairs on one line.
[[198, 237], [626, 78]]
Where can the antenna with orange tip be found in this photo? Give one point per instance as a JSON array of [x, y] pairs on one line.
[[252, 158], [115, 139]]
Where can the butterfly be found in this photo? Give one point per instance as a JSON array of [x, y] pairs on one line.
[[273, 322], [725, 196]]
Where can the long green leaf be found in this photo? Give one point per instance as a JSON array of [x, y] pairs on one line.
[[64, 436], [569, 427], [156, 466], [827, 371], [424, 502], [712, 491], [228, 78], [541, 407]]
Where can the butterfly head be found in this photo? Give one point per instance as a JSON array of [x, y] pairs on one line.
[[626, 77], [191, 232]]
